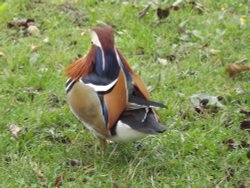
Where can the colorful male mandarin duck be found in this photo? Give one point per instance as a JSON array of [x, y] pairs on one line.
[[105, 94]]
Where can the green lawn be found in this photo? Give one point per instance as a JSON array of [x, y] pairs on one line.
[[199, 149]]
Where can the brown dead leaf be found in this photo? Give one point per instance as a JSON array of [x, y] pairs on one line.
[[142, 13], [59, 180], [231, 144], [242, 185], [74, 141], [199, 110], [171, 57], [245, 125], [177, 4], [241, 61], [182, 27], [244, 144], [163, 13], [198, 6], [243, 20], [74, 162], [248, 154], [20, 22], [83, 33], [2, 54], [162, 61], [33, 47], [39, 174], [139, 51], [14, 129], [246, 112], [234, 69], [33, 30], [240, 91], [228, 10]]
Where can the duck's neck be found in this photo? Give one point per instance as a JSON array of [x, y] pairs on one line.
[[106, 66]]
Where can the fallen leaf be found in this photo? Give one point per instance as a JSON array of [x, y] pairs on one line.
[[33, 58], [142, 13], [231, 144], [199, 110], [54, 99], [74, 162], [198, 6], [83, 33], [59, 180], [162, 61], [182, 27], [7, 160], [162, 13], [229, 10], [246, 112], [122, 32], [245, 125], [14, 129], [138, 147], [197, 34], [33, 30], [208, 100], [184, 37], [176, 4], [74, 141], [242, 185], [234, 69], [21, 22], [46, 40], [43, 69], [213, 51], [248, 154], [2, 54], [33, 48], [242, 20], [240, 90], [38, 172], [206, 104], [244, 144], [241, 61], [139, 51], [171, 57]]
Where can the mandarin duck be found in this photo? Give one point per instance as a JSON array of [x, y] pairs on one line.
[[107, 96]]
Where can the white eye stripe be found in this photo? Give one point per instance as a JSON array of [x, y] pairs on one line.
[[95, 39]]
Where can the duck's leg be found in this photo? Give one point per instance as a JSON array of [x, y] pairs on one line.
[[104, 144]]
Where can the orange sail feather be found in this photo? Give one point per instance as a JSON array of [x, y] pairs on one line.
[[81, 67]]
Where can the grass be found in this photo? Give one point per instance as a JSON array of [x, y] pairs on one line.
[[195, 151]]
